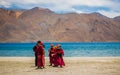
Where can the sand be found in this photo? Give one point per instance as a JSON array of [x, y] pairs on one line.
[[74, 66]]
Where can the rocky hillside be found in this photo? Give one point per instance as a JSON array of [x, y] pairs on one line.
[[117, 18], [45, 25]]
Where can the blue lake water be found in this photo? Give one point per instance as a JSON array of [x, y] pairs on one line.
[[79, 49]]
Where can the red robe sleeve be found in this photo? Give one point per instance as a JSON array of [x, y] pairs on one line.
[[40, 50]]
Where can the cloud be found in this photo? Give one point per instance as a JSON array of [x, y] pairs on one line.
[[110, 14], [5, 4], [109, 8]]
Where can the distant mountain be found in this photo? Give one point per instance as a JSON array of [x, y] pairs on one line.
[[45, 25]]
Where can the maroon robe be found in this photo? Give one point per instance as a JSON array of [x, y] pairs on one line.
[[59, 58], [40, 55], [51, 55]]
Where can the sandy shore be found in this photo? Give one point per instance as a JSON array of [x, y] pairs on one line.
[[74, 66]]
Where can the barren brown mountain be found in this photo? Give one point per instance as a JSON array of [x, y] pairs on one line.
[[117, 18], [43, 24]]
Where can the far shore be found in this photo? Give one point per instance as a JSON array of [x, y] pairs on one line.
[[74, 66], [65, 58]]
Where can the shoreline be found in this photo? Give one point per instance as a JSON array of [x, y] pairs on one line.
[[65, 58]]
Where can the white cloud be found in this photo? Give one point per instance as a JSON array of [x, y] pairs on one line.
[[88, 2], [67, 5], [110, 14], [5, 4]]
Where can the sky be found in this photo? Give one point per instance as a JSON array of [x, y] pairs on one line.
[[109, 8]]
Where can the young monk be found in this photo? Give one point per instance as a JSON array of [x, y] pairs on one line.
[[51, 54], [40, 55], [59, 53], [35, 49]]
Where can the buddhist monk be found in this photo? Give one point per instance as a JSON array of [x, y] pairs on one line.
[[34, 49], [51, 54], [41, 56], [59, 53], [42, 44]]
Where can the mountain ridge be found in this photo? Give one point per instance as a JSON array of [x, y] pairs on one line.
[[45, 25]]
